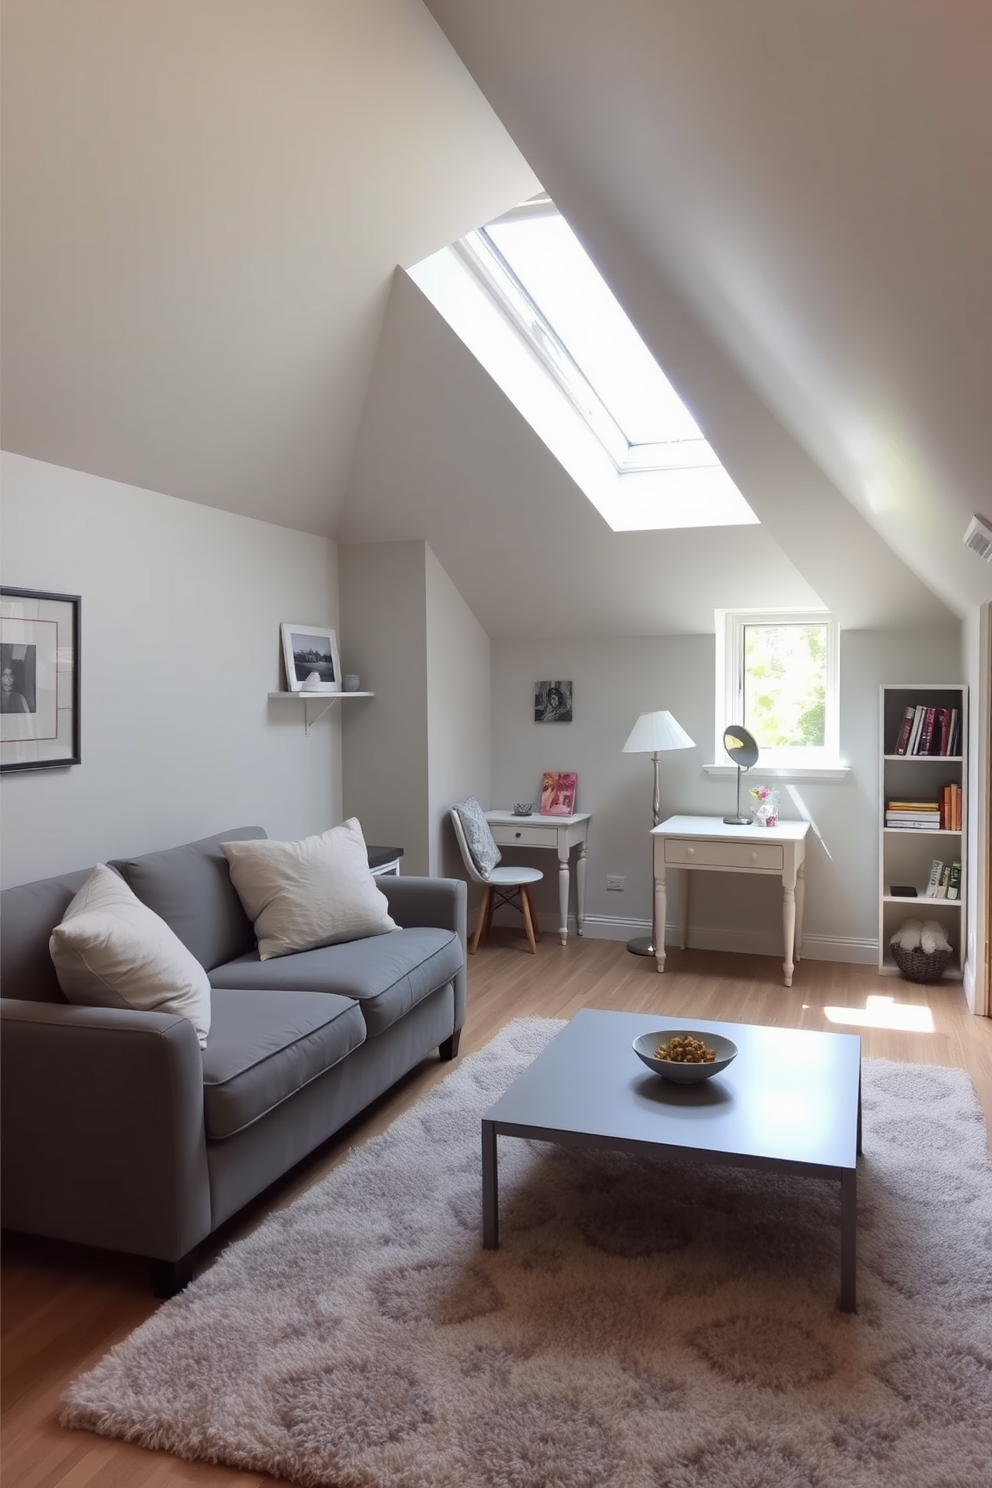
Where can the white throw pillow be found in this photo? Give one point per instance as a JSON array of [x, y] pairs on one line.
[[110, 950], [311, 893]]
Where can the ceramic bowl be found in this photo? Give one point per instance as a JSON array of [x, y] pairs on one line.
[[673, 1069], [523, 808]]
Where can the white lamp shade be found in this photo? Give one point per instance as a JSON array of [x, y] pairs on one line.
[[654, 732]]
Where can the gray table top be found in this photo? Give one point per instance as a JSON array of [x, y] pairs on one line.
[[790, 1096]]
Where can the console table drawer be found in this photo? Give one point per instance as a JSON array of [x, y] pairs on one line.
[[739, 855], [507, 835]]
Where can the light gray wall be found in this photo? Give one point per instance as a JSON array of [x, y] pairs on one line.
[[385, 740], [458, 712], [615, 681], [181, 607]]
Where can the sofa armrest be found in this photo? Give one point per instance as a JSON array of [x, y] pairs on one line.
[[102, 1127], [441, 902]]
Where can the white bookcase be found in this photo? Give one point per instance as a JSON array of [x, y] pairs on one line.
[[905, 854]]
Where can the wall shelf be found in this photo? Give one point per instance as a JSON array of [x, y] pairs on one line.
[[325, 699]]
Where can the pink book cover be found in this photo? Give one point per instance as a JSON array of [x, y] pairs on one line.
[[558, 793]]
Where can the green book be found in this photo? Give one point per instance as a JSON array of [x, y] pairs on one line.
[[954, 881]]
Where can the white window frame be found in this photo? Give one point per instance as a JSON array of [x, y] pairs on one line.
[[796, 761]]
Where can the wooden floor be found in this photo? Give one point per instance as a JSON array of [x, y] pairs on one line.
[[62, 1308]]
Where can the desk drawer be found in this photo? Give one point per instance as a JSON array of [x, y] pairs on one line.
[[741, 855], [507, 835]]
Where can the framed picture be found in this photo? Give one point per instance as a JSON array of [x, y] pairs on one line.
[[311, 656], [39, 680], [552, 702]]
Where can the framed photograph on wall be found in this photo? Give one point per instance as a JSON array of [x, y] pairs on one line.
[[39, 679], [311, 656], [552, 702]]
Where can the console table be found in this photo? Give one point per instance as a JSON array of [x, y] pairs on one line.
[[693, 842], [560, 833]]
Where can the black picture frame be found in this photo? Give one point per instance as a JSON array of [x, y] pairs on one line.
[[39, 679]]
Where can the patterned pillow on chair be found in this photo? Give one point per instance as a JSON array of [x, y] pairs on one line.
[[481, 843]]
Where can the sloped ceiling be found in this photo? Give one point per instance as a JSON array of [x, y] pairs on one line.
[[204, 204], [813, 180]]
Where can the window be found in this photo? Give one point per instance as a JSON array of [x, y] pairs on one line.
[[777, 674], [526, 299]]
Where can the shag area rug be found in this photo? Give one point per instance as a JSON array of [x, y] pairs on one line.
[[645, 1324]]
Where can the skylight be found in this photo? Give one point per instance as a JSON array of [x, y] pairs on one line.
[[648, 464]]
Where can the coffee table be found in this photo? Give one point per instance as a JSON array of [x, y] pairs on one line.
[[789, 1103]]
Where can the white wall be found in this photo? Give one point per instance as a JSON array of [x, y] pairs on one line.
[[383, 639], [614, 681], [181, 607], [458, 710]]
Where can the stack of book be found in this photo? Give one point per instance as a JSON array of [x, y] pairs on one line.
[[945, 880], [929, 731], [918, 815], [950, 808]]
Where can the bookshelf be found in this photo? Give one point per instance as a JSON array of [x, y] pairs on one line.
[[907, 849]]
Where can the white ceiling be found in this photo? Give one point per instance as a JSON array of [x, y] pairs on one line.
[[204, 207]]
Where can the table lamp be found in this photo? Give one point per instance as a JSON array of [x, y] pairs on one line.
[[654, 734]]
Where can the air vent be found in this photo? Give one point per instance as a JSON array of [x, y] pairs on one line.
[[978, 537]]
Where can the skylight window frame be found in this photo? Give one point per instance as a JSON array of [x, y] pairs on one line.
[[482, 257]]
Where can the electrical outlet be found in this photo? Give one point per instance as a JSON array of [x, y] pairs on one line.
[[616, 881]]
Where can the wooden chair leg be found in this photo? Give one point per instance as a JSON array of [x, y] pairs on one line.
[[485, 914], [525, 905], [491, 909]]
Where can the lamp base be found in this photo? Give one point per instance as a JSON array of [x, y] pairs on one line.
[[737, 821], [642, 945]]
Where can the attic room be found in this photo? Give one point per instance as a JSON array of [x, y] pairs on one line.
[[228, 403]]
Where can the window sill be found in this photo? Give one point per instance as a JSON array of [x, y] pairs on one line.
[[836, 771]]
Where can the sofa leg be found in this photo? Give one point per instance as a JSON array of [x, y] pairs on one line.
[[449, 1048], [170, 1277]]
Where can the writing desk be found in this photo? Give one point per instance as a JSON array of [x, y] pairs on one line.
[[689, 843], [561, 833]]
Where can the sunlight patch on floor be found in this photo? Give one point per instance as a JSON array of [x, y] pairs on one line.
[[884, 1012]]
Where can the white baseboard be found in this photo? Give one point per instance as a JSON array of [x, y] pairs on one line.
[[843, 948]]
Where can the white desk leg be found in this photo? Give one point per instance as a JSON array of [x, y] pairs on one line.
[[683, 882], [659, 921], [788, 928], [580, 889], [563, 895], [800, 908]]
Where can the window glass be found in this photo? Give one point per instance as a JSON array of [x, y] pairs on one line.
[[784, 685]]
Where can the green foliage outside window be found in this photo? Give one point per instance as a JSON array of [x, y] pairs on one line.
[[785, 684]]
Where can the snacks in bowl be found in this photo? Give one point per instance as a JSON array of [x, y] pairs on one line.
[[684, 1049]]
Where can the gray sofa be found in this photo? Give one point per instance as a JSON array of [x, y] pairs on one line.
[[118, 1131]]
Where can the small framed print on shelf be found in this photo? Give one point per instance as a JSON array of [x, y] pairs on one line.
[[311, 656], [39, 680], [558, 793]]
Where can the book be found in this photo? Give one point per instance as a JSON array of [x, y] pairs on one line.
[[954, 881], [933, 883], [926, 731], [905, 729], [914, 734], [945, 878], [954, 744], [943, 730], [558, 793]]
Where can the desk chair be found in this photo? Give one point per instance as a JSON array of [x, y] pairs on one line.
[[504, 885]]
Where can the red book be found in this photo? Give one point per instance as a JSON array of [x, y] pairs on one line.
[[905, 729], [926, 732]]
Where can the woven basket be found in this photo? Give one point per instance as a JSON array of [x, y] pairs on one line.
[[921, 966]]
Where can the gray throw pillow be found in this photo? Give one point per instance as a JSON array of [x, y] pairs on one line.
[[481, 843]]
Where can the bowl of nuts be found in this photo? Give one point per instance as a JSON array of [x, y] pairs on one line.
[[685, 1055]]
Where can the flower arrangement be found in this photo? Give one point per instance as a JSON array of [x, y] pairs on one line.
[[767, 813]]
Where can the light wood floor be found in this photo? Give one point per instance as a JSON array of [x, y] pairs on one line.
[[63, 1308]]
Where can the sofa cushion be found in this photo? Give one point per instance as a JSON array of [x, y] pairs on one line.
[[316, 892], [27, 914], [387, 975], [190, 887], [110, 950], [264, 1046]]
